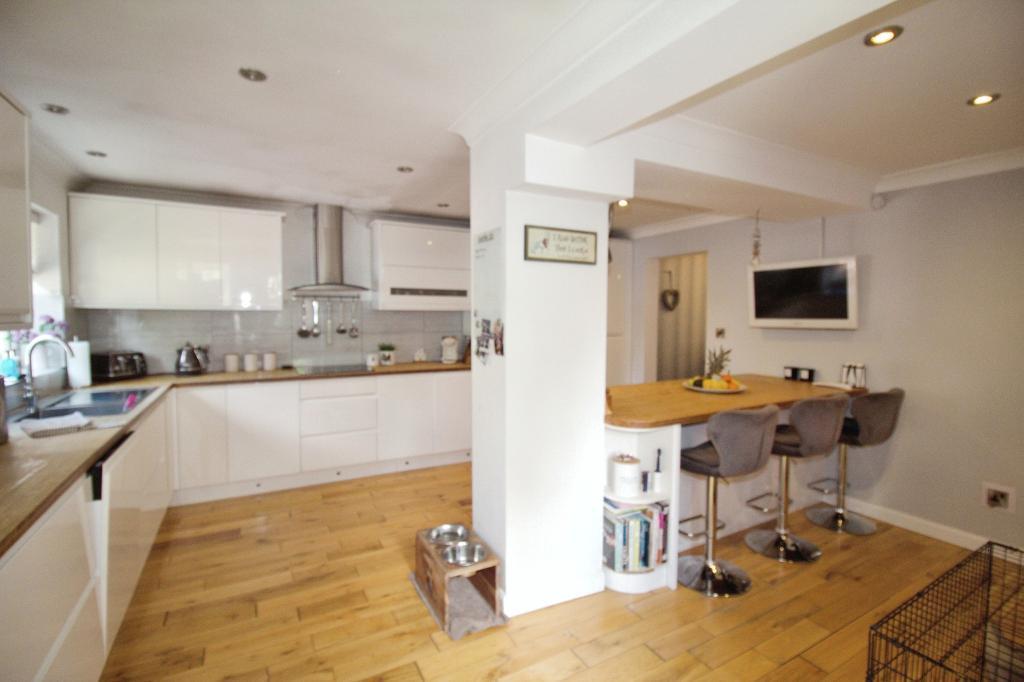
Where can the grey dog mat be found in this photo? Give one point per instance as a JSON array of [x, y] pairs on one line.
[[470, 612]]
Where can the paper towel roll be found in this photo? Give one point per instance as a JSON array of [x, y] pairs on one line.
[[80, 366], [626, 476]]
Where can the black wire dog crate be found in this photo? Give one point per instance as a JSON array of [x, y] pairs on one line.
[[966, 625]]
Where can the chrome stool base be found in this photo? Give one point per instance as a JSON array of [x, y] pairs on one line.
[[717, 579], [840, 522], [785, 548]]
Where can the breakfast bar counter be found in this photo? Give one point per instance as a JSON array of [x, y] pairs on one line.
[[652, 423], [664, 403]]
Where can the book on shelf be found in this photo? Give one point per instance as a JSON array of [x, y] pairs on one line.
[[635, 536]]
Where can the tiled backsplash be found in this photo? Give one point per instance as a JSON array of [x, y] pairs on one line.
[[158, 333]]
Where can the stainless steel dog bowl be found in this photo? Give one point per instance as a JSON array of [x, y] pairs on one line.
[[464, 553], [447, 533]]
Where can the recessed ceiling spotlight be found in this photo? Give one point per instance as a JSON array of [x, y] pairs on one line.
[[404, 169], [98, 154], [883, 36], [443, 205], [623, 203], [254, 75], [983, 99], [56, 109]]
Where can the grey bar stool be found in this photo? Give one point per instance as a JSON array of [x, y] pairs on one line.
[[873, 422], [740, 441], [813, 429]]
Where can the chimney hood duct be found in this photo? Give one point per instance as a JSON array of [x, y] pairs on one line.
[[328, 272]]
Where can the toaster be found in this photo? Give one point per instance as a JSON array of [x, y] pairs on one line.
[[117, 364]]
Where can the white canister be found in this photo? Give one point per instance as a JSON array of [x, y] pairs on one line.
[[372, 360], [79, 365], [231, 362], [269, 361], [626, 475], [251, 362]]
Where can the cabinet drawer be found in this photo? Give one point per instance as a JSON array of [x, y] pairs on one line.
[[336, 388], [338, 449], [338, 415], [41, 584]]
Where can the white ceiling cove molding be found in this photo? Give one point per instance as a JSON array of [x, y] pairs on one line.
[[678, 225], [959, 169]]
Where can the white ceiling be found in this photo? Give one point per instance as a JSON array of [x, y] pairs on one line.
[[899, 106], [881, 110], [355, 89], [358, 87]]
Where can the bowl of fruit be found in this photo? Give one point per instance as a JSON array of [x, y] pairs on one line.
[[716, 379], [716, 383]]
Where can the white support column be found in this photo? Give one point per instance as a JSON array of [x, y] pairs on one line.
[[538, 410]]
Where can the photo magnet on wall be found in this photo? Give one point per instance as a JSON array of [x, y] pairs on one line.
[[499, 337]]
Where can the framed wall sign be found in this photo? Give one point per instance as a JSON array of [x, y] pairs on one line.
[[556, 245]]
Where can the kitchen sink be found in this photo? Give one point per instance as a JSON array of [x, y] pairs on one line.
[[89, 403]]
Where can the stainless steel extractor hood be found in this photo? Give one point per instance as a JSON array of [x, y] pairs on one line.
[[328, 271]]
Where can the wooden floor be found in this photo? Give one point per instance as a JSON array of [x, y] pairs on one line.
[[312, 584]]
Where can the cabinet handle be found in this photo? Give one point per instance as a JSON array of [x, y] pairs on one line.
[[95, 472]]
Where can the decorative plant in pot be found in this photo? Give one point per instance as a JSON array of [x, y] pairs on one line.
[[387, 353]]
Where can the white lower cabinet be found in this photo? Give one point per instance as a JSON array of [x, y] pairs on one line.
[[263, 430], [82, 654], [453, 412], [47, 596], [253, 431], [136, 491], [405, 415], [202, 436]]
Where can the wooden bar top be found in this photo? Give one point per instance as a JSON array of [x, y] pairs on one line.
[[663, 403]]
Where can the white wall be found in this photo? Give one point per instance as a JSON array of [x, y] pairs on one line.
[[51, 176], [941, 315], [538, 411]]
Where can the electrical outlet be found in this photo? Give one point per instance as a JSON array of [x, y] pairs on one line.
[[998, 496]]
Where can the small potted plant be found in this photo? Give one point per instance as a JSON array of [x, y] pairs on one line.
[[387, 354]]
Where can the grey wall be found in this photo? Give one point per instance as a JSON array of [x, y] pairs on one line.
[[158, 333], [941, 314]]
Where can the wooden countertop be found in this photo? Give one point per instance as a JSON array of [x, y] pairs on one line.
[[214, 378], [663, 403], [35, 472]]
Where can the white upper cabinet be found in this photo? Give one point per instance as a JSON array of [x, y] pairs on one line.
[[113, 252], [420, 267], [188, 256], [15, 256], [139, 253], [250, 260]]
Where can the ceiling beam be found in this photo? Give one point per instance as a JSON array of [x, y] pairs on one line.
[[707, 46]]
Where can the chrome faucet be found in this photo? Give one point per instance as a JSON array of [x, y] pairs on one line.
[[30, 393]]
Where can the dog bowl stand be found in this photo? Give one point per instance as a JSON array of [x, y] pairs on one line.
[[434, 575]]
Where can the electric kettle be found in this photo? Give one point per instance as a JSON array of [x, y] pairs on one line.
[[191, 359]]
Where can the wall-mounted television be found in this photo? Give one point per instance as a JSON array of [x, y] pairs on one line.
[[810, 294]]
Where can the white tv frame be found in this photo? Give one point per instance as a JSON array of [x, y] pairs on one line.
[[851, 302]]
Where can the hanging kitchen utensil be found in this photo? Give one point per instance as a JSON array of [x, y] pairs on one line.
[[330, 324], [303, 329], [670, 296], [353, 327], [315, 331], [342, 329]]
